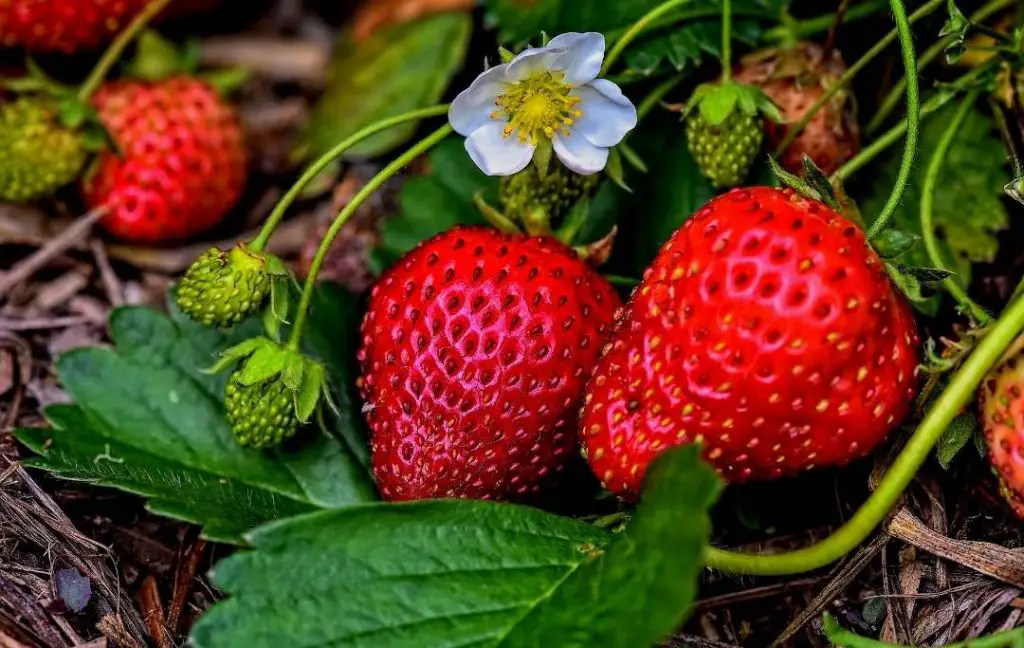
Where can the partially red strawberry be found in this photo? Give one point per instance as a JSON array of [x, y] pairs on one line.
[[795, 78], [476, 349], [72, 25], [1001, 401], [766, 330], [181, 163]]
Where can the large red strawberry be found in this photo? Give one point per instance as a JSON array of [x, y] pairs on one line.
[[766, 330], [1001, 401], [794, 79], [181, 162], [476, 349], [72, 25]]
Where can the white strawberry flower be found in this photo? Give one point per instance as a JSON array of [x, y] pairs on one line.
[[545, 93]]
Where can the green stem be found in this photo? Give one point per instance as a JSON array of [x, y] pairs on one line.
[[843, 81], [1007, 639], [812, 26], [957, 395], [324, 160], [913, 116], [638, 27], [656, 95], [862, 159], [893, 98], [726, 41], [321, 253], [931, 179], [117, 48]]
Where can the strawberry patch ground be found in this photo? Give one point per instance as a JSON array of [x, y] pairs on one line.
[[515, 323]]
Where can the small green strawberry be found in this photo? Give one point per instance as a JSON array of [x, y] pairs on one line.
[[530, 197], [724, 129], [223, 288], [261, 414], [40, 154]]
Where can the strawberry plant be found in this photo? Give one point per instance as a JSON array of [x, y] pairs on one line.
[[588, 318]]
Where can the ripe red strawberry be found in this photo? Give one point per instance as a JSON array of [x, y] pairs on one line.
[[1001, 401], [767, 330], [476, 349], [181, 164], [794, 79], [72, 25]]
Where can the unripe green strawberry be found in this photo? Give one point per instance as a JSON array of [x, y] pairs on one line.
[[40, 155], [222, 288], [554, 195], [724, 152], [261, 415]]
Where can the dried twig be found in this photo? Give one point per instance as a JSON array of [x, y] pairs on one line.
[[43, 323], [111, 284], [189, 559], [153, 613], [66, 239]]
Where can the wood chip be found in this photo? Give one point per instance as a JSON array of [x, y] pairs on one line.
[[990, 559], [299, 61]]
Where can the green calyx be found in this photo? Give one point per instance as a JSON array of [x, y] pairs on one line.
[[223, 288], [41, 154], [724, 129], [272, 393]]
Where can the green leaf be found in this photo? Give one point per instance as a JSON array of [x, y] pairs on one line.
[[396, 69], [435, 202], [893, 242], [968, 209], [961, 430], [147, 421], [481, 574]]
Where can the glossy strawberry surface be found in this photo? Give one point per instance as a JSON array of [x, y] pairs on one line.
[[476, 349], [1001, 401], [766, 330], [181, 163]]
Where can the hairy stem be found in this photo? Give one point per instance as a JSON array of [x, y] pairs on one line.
[[893, 98], [931, 179], [325, 160], [913, 117], [321, 253], [949, 404], [116, 49], [844, 81], [726, 41]]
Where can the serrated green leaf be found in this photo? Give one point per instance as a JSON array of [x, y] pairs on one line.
[[147, 421], [968, 209], [483, 574], [396, 69], [430, 204], [893, 242], [313, 384], [960, 431]]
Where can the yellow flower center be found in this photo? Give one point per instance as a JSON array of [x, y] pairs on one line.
[[540, 105]]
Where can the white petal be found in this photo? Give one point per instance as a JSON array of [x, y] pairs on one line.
[[533, 60], [474, 105], [577, 153], [584, 54], [607, 114], [495, 154]]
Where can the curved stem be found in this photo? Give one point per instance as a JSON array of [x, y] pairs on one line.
[[117, 48], [656, 95], [639, 26], [726, 41], [843, 81], [952, 401], [913, 117], [893, 98], [321, 253], [931, 179], [862, 159], [325, 160]]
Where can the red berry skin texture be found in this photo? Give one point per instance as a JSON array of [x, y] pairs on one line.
[[181, 163], [70, 26], [1001, 403], [766, 330], [476, 349]]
